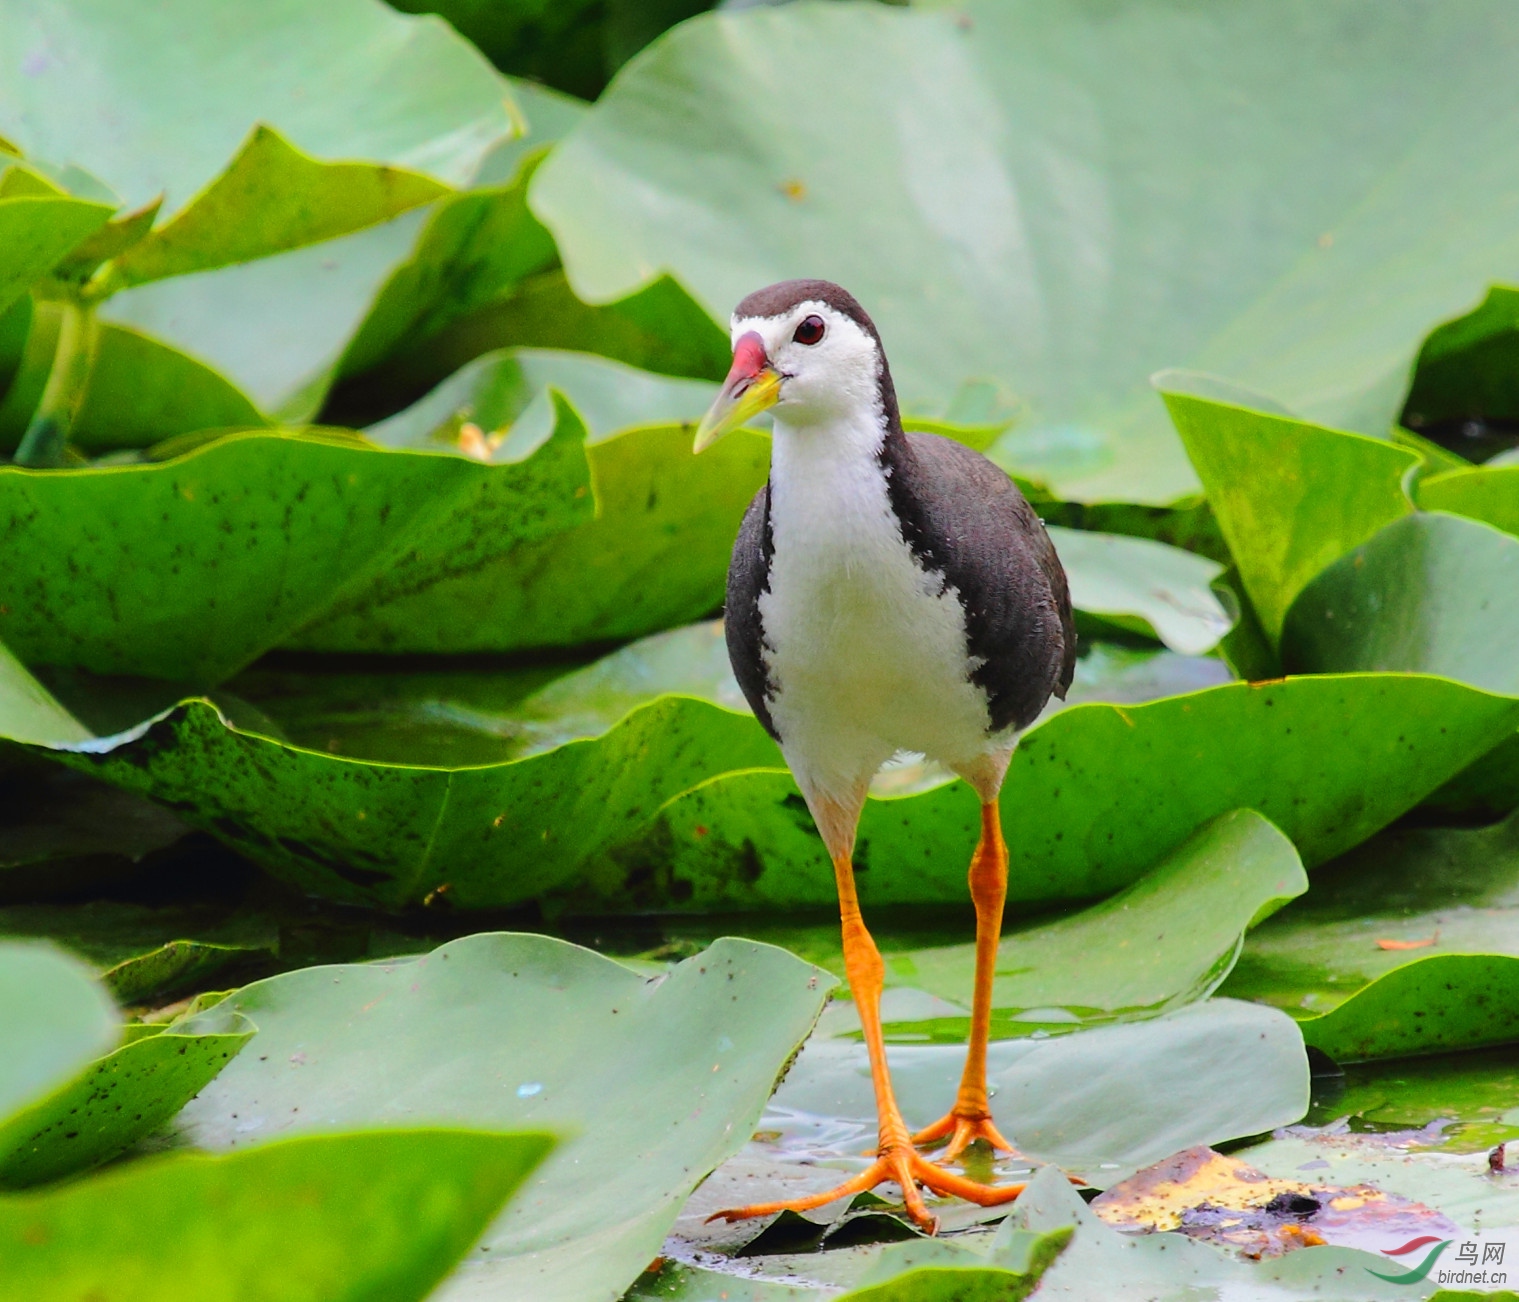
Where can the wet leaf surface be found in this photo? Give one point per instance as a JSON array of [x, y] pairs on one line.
[[1321, 960], [457, 1037], [308, 1220]]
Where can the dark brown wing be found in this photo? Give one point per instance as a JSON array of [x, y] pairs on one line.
[[965, 518]]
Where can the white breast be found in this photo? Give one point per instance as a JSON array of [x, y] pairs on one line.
[[867, 651]]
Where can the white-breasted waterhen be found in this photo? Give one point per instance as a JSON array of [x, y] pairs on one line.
[[888, 592]]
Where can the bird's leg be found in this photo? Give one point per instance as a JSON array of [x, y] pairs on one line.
[[896, 1160], [971, 1117]]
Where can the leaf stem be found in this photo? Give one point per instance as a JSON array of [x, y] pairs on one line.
[[45, 443]]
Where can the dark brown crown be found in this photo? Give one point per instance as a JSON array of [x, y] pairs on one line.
[[778, 299]]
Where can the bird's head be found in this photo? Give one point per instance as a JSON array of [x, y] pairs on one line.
[[807, 349]]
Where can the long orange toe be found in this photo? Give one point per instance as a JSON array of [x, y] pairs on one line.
[[908, 1169]]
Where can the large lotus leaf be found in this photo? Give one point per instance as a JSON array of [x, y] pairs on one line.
[[1067, 198], [276, 328], [118, 1100], [1490, 494], [190, 568], [1467, 367], [1095, 796], [53, 1021], [653, 1083], [1145, 586], [157, 101], [1432, 594], [35, 233], [324, 1218], [1099, 1103], [271, 198], [1169, 938], [1290, 497], [138, 950], [655, 556], [1410, 944], [394, 834]]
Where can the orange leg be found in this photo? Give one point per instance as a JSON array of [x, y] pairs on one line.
[[971, 1117], [897, 1160]]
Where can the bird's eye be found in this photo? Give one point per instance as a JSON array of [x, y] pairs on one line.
[[810, 331]]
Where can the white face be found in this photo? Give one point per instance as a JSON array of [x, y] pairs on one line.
[[838, 375]]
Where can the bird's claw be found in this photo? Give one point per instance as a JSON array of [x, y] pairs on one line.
[[904, 1166], [962, 1130]]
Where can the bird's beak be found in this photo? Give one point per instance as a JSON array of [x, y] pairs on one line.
[[752, 386]]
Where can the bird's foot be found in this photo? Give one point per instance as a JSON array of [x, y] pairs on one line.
[[904, 1166], [963, 1127]]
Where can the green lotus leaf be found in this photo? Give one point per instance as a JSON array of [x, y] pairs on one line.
[[54, 1019], [313, 1219], [118, 1099], [35, 233], [655, 555], [1409, 944], [1049, 196], [1290, 497], [1490, 494], [1462, 1102], [352, 79], [395, 834], [190, 568], [1432, 594], [1096, 795], [1467, 366], [1144, 587], [653, 1083], [137, 950], [1169, 938], [1099, 1103], [271, 197]]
